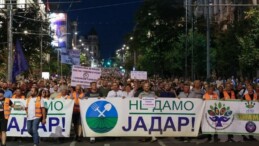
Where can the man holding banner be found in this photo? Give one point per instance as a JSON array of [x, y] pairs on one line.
[[76, 95], [93, 93], [5, 111], [148, 94], [250, 96], [229, 94], [35, 114], [211, 95], [115, 92]]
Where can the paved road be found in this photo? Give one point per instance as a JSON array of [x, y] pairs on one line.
[[134, 142]]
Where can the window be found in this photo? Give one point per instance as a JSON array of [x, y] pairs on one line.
[[2, 2], [8, 3], [21, 4]]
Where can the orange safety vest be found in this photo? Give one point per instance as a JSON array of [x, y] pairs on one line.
[[15, 97], [208, 97], [226, 95], [76, 98], [58, 96], [38, 112], [248, 98], [7, 109]]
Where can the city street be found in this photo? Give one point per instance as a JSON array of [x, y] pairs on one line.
[[129, 72], [134, 141]]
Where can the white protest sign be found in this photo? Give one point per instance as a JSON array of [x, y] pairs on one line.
[[148, 102], [70, 57], [45, 75], [84, 75], [139, 75]]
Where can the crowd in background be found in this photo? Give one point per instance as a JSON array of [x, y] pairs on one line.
[[111, 87], [50, 89]]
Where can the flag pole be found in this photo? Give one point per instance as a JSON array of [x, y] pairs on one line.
[[10, 41]]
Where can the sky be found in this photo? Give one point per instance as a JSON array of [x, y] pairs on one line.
[[112, 19]]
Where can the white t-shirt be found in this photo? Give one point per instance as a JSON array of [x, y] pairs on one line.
[[112, 93], [128, 95], [31, 108]]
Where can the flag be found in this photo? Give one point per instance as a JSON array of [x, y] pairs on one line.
[[20, 64]]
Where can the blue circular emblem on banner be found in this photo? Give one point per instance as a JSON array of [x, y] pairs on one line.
[[250, 127], [101, 116]]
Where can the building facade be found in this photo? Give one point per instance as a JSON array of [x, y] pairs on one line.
[[89, 46], [222, 12], [23, 4]]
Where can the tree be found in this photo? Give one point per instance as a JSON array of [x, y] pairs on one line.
[[37, 26], [249, 43], [155, 33], [227, 51]]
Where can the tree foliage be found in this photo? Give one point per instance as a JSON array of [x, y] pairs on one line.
[[155, 33], [160, 41], [35, 24], [248, 42]]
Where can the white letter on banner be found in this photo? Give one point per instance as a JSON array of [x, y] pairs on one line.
[[24, 128], [153, 123], [140, 124], [191, 105], [129, 125], [182, 121], [180, 105], [169, 124], [131, 104], [159, 108]]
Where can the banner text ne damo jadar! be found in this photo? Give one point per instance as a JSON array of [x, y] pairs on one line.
[[128, 117]]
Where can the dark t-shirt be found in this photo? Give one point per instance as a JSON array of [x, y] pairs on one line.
[[90, 94], [2, 107], [251, 96], [166, 94], [221, 95]]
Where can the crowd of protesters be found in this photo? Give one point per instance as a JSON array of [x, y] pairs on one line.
[[126, 88]]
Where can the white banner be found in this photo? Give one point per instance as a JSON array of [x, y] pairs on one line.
[[84, 75], [139, 75], [58, 119], [71, 57], [231, 117], [127, 117]]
